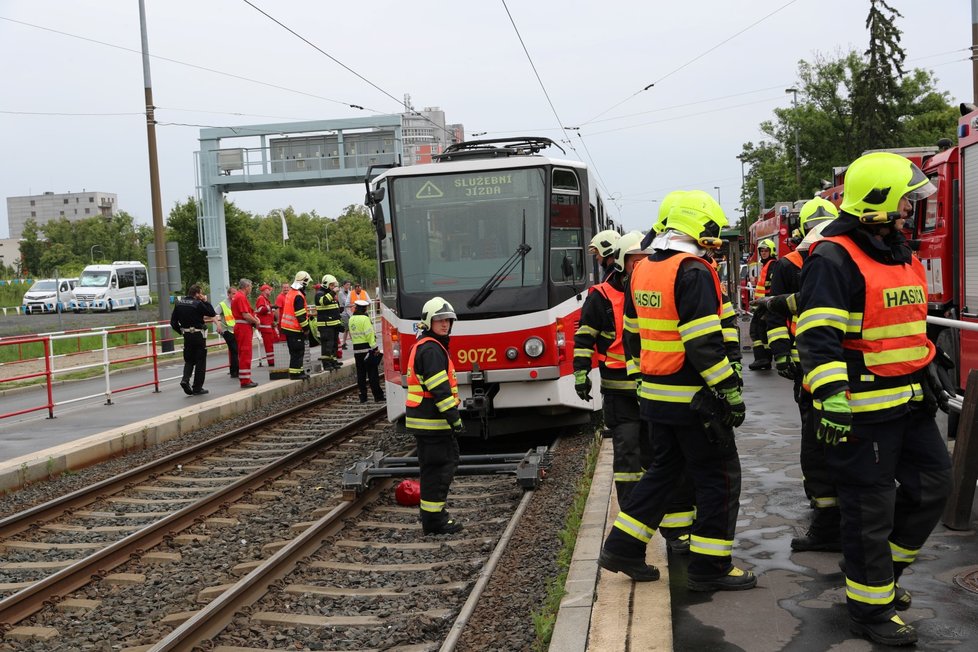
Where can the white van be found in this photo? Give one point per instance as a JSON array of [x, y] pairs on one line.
[[112, 287], [46, 294]]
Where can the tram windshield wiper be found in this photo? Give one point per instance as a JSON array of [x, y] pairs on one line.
[[499, 276]]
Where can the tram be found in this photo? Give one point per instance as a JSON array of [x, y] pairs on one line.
[[501, 231]]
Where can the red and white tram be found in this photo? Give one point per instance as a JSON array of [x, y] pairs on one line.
[[501, 232]]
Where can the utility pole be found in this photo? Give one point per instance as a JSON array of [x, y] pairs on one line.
[[794, 105], [159, 234], [743, 183]]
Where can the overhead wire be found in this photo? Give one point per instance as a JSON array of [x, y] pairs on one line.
[[691, 61], [302, 38], [193, 65]]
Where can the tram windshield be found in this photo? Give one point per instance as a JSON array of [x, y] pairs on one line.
[[454, 231]]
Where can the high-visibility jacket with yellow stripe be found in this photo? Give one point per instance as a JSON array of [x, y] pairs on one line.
[[785, 279], [675, 341], [228, 316], [294, 312], [764, 278], [600, 330], [863, 328], [432, 388]]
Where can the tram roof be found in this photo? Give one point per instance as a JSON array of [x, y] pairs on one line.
[[478, 165]]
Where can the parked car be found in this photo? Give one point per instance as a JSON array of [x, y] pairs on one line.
[[123, 284], [48, 295]]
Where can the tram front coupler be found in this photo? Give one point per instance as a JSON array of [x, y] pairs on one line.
[[530, 468], [478, 407]]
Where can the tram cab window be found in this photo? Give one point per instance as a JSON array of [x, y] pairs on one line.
[[388, 267], [566, 228]]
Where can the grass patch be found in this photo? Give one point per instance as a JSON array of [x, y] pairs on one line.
[[544, 619]]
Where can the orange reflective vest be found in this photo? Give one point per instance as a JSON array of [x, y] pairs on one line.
[[415, 390], [761, 290], [653, 287], [892, 334], [614, 357], [289, 321], [795, 259]]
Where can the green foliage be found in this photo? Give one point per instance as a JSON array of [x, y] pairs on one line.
[[847, 103], [344, 247]]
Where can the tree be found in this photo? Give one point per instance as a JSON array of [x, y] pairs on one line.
[[31, 249], [876, 94]]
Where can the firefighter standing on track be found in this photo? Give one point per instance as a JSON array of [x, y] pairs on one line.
[[432, 415], [758, 322], [330, 324], [863, 343], [672, 316], [366, 355], [266, 322], [295, 324], [823, 533]]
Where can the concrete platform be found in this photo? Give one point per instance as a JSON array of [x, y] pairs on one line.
[[34, 447], [799, 602]]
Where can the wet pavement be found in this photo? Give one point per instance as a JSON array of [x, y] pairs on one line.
[[799, 603]]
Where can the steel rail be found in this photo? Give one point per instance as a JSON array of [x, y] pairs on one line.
[[16, 523], [29, 600]]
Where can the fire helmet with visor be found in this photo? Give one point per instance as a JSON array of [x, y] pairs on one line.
[[302, 279], [876, 182], [630, 243], [436, 308], [814, 212], [699, 216], [329, 279], [603, 242]]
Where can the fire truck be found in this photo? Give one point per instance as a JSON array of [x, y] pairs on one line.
[[946, 242], [776, 223]]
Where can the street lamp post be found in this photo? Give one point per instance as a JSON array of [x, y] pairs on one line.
[[743, 184], [326, 233], [794, 105], [717, 188], [91, 252]]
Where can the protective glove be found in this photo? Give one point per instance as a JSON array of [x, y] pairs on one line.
[[786, 368], [582, 384], [458, 427], [834, 420], [739, 370], [935, 397], [735, 401]]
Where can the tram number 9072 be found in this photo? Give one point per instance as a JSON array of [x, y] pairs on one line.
[[468, 356]]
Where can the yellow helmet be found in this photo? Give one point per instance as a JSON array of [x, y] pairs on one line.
[[328, 280], [768, 244], [603, 242], [699, 216], [875, 183], [436, 308], [664, 207], [630, 243], [302, 278], [815, 211]]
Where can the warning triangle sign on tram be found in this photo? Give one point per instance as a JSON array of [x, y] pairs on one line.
[[429, 191]]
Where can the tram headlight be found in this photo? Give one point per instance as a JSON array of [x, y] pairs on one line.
[[512, 353], [533, 347]]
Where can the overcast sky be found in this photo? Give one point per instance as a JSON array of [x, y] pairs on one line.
[[719, 68]]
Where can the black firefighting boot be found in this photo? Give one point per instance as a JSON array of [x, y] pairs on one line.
[[893, 632], [736, 579], [823, 534], [634, 567], [439, 523], [677, 543]]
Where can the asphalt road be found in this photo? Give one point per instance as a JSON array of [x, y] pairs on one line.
[[19, 324]]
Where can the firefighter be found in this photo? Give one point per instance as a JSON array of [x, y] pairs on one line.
[[365, 352], [672, 320], [600, 331], [432, 415], [245, 322], [862, 338], [602, 247], [189, 317], [330, 324], [227, 331], [823, 533], [758, 322], [266, 322], [295, 324]]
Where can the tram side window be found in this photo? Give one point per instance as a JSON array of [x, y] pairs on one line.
[[388, 267], [566, 228]]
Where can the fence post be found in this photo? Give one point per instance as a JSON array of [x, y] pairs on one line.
[[105, 366], [964, 465], [156, 368], [48, 372]]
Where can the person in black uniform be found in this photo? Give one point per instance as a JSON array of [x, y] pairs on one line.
[[188, 319], [432, 415], [758, 322], [330, 324]]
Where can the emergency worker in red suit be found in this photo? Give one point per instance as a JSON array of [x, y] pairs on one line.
[[266, 322], [245, 322]]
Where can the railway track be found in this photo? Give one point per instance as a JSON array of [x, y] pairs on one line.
[[248, 530]]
